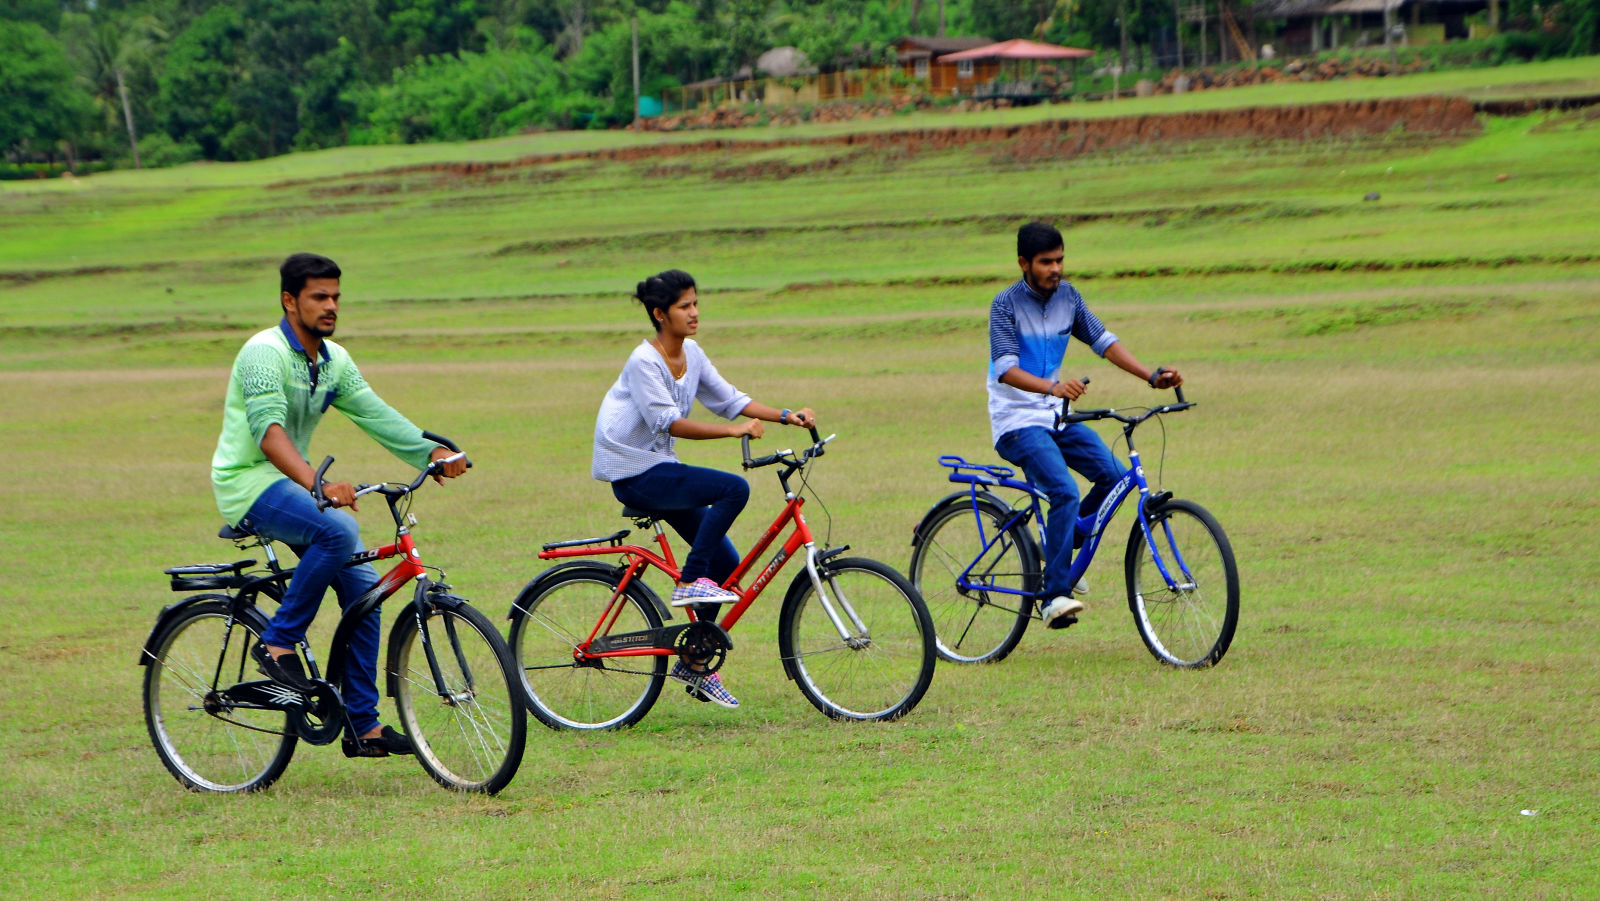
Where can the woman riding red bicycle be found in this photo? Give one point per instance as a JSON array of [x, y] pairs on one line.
[[640, 420]]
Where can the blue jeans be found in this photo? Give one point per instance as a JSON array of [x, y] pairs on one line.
[[700, 504], [1045, 455], [323, 540]]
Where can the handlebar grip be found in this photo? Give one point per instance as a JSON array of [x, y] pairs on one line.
[[744, 445], [440, 439], [1179, 390], [316, 484]]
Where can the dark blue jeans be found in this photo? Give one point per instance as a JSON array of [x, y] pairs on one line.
[[323, 540], [1045, 456], [699, 504]]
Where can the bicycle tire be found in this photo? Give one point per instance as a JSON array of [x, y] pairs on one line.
[[471, 737], [1193, 625], [550, 619], [206, 751], [974, 625], [876, 674]]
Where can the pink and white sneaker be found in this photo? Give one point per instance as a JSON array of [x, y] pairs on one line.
[[701, 591], [704, 686]]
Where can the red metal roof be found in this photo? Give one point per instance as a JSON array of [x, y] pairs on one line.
[[1017, 48]]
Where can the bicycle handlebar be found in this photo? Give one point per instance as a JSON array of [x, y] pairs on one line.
[[394, 489], [786, 455], [1068, 416]]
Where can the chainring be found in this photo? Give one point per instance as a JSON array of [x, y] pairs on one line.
[[703, 646], [321, 718]]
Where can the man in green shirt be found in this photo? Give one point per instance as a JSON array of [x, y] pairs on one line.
[[283, 380]]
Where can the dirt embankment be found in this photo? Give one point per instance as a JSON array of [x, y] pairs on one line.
[[1032, 141]]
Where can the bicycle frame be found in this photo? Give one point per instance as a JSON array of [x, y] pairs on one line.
[[243, 589], [636, 558], [1091, 526]]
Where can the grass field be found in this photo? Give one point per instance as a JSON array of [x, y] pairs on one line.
[[1397, 426]]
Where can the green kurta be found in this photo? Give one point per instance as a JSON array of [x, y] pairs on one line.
[[271, 383]]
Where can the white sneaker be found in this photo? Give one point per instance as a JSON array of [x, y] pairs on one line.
[[1061, 612], [1082, 587]]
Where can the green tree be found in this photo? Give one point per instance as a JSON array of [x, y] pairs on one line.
[[107, 55], [40, 12], [467, 97], [40, 101], [204, 68]]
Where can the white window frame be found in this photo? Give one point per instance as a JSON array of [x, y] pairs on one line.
[[963, 68], [919, 69]]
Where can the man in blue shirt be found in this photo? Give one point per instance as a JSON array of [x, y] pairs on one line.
[[1030, 324]]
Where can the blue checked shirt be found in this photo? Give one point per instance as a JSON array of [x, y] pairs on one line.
[[1032, 332]]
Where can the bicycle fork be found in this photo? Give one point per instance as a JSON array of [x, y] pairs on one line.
[[856, 638], [419, 609], [1186, 586]]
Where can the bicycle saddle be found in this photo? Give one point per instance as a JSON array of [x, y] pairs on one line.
[[233, 534], [636, 513]]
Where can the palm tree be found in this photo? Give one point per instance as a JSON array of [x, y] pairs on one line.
[[105, 53]]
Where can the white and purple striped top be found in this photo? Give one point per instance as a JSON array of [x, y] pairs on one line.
[[630, 434]]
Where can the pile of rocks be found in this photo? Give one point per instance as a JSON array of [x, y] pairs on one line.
[[842, 111], [1293, 70]]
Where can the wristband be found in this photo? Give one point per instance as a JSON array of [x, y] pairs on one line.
[[1051, 391], [1156, 375], [783, 418]]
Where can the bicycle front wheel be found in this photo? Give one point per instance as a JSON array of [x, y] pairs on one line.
[[873, 658], [456, 694], [205, 741], [557, 615], [979, 597], [1187, 620]]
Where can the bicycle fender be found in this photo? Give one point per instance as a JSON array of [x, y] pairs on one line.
[[251, 616], [637, 588], [955, 499]]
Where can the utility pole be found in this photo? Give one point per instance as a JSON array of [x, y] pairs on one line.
[[1177, 28], [636, 71], [1388, 33], [1122, 23]]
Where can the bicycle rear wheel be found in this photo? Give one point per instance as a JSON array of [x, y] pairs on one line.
[[459, 705], [207, 743], [974, 622], [556, 615], [1188, 622], [883, 664]]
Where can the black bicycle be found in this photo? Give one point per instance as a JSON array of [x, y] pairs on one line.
[[219, 727]]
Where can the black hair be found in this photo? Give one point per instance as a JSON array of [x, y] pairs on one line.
[[1037, 237], [299, 267], [662, 290]]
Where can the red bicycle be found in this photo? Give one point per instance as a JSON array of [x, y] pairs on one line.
[[589, 640], [220, 728]]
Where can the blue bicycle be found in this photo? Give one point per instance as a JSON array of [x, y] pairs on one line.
[[979, 567]]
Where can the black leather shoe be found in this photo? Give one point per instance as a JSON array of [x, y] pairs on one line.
[[284, 670], [388, 742]]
